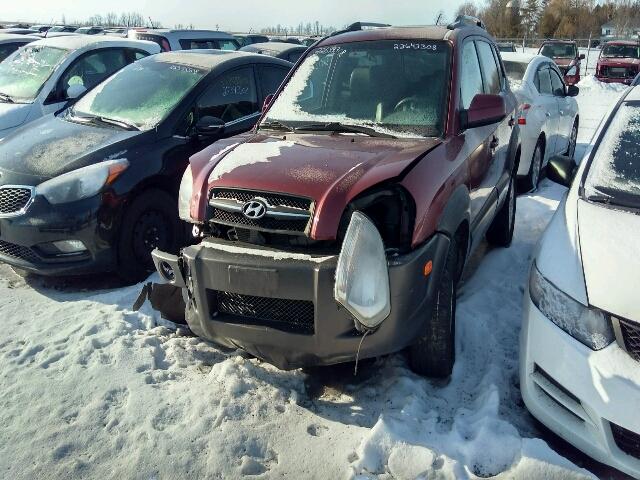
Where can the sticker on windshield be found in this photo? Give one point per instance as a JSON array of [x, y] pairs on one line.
[[416, 46]]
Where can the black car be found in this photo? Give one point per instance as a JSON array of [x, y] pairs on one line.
[[285, 51], [251, 39], [95, 187], [9, 43]]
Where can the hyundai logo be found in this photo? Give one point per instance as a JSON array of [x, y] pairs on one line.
[[254, 209]]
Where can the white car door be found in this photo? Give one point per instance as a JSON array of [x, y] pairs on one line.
[[565, 110], [549, 106]]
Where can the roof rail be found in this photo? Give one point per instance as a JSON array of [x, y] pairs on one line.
[[354, 27], [465, 21]]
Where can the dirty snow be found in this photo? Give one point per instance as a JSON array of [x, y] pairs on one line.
[[91, 389]]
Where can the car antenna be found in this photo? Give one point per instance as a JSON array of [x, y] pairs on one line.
[[50, 27]]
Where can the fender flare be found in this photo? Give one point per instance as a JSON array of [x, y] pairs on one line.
[[456, 212]]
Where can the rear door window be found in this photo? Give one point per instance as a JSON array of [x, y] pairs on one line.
[[471, 78], [492, 83], [227, 45], [271, 78], [232, 96], [557, 84], [192, 44], [543, 81], [165, 46]]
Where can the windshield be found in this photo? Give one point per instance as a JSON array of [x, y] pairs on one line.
[[620, 51], [614, 176], [23, 74], [141, 94], [559, 50], [395, 87], [515, 71]]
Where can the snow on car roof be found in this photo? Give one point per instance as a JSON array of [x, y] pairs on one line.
[[518, 57], [206, 59], [12, 37], [74, 42], [278, 47]]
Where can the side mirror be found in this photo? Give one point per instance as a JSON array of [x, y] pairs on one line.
[[484, 110], [572, 91], [561, 169], [267, 101], [582, 56], [75, 91], [209, 126]]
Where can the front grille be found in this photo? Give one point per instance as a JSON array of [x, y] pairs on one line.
[[631, 336], [626, 440], [619, 72], [14, 199], [296, 316], [273, 199], [17, 251], [265, 223]]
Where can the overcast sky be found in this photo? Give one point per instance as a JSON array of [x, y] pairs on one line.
[[235, 15]]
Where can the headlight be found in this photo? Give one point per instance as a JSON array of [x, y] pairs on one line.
[[362, 277], [81, 183], [184, 196], [572, 71], [589, 326]]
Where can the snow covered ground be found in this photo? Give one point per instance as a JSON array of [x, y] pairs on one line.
[[90, 389]]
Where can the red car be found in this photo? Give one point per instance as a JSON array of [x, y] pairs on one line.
[[619, 62], [565, 54], [340, 226]]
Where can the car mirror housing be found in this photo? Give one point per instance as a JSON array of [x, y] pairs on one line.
[[75, 91], [267, 102], [484, 110], [209, 126], [561, 169], [573, 91]]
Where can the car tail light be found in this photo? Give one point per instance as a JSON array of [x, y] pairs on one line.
[[522, 116]]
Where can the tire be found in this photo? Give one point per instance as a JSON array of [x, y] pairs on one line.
[[434, 353], [500, 232], [530, 182], [150, 221], [571, 149]]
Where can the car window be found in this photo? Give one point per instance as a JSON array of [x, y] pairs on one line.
[[140, 54], [7, 49], [470, 79], [544, 81], [557, 84], [197, 44], [492, 83], [159, 39], [227, 45], [231, 96], [271, 78], [93, 68], [621, 51]]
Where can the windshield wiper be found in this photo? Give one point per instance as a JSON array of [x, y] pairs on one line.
[[343, 128], [117, 123], [276, 125], [6, 98]]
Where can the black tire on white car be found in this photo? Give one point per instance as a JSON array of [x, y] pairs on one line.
[[434, 353], [531, 181]]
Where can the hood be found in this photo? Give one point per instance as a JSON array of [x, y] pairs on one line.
[[611, 258], [564, 62], [329, 169], [52, 146], [618, 62], [13, 115]]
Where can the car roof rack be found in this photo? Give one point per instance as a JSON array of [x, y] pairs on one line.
[[355, 27], [466, 21]]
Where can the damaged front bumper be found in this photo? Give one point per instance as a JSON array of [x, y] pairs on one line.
[[280, 306]]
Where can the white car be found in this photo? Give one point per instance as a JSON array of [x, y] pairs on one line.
[[580, 339], [548, 115], [45, 75], [170, 40]]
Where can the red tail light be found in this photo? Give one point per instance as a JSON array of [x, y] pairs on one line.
[[522, 119]]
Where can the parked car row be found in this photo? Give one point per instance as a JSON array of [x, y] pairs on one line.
[[324, 213]]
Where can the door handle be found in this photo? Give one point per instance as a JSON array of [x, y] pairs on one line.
[[494, 143]]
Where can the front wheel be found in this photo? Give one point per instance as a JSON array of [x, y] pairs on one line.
[[500, 231], [434, 353], [150, 221]]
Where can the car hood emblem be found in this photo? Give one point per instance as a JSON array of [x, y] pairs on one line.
[[255, 209]]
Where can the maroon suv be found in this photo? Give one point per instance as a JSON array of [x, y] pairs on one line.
[[341, 225], [619, 62], [565, 54]]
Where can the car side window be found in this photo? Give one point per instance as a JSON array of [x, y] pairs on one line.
[[470, 78], [492, 84], [545, 81], [139, 55], [93, 68], [227, 45], [271, 78], [230, 97], [557, 84], [188, 44]]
